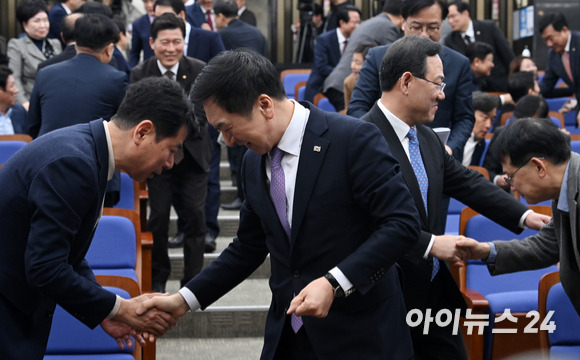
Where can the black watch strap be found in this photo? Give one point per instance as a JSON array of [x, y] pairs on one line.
[[338, 291]]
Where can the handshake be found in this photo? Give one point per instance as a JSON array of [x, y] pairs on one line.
[[145, 317]]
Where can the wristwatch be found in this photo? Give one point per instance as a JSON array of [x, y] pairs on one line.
[[338, 291]]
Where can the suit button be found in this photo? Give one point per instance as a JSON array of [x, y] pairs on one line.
[[295, 274]]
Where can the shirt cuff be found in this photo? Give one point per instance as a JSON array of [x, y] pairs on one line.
[[497, 177], [492, 254], [116, 307], [190, 299], [522, 223], [342, 280], [431, 242]]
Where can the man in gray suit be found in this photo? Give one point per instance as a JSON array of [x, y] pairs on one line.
[[540, 166], [383, 29]]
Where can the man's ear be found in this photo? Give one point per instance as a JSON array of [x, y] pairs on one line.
[[142, 130]]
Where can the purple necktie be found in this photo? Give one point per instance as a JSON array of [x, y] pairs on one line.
[[278, 194], [421, 175]]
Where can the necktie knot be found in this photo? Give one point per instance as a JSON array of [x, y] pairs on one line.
[[467, 39], [169, 74], [412, 135]]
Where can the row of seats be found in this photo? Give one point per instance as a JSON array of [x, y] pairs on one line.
[[295, 80]]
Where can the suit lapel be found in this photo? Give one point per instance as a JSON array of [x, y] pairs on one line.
[[309, 165], [33, 50], [379, 119]]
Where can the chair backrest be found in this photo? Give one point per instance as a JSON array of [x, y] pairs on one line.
[[129, 193], [323, 103], [290, 77], [557, 118], [9, 148], [505, 116], [564, 341], [300, 90], [69, 338]]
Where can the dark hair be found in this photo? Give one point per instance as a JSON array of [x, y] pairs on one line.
[[67, 27], [5, 71], [524, 138], [176, 5], [412, 7], [410, 54], [461, 5], [531, 106], [343, 13], [478, 50], [121, 24], [158, 99], [517, 62], [317, 10], [167, 21], [520, 83], [27, 9], [393, 7], [229, 8], [95, 31], [363, 48], [234, 80], [94, 7], [484, 102], [556, 19]]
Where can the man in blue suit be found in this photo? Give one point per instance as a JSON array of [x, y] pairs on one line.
[[234, 32], [12, 115], [326, 200], [51, 199], [563, 57], [89, 87], [424, 17], [329, 47], [140, 35], [57, 14], [195, 15]]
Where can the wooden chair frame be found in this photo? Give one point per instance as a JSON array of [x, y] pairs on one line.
[[546, 283]]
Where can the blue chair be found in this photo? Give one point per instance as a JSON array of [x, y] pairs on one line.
[[563, 342], [129, 194], [516, 291], [9, 148], [323, 103], [291, 77], [456, 206], [71, 339]]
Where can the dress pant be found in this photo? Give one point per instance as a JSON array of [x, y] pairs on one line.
[[294, 346], [190, 183], [212, 202]]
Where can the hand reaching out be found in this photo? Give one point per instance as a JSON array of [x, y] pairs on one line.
[[173, 304], [121, 333]]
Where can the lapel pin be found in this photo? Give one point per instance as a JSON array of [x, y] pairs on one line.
[[184, 77], [317, 148]]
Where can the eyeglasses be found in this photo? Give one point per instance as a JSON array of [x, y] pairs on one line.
[[430, 29], [509, 179], [440, 85]]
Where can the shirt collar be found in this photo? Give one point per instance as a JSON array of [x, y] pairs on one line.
[[163, 69], [470, 31], [291, 141], [341, 37], [567, 48], [241, 10], [401, 128], [563, 199], [66, 9], [111, 170]]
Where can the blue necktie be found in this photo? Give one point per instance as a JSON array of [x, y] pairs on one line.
[[278, 194], [421, 175]]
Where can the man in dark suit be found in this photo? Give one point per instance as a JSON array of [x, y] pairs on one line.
[[67, 32], [563, 59], [12, 115], [90, 88], [466, 31], [480, 57], [326, 200], [234, 32], [540, 166], [327, 52], [51, 199], [141, 32], [195, 15], [411, 90], [189, 176], [57, 14], [331, 21], [245, 14], [485, 106], [455, 111]]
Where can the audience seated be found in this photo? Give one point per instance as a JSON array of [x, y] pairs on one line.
[[523, 63], [12, 115], [485, 108], [480, 57], [67, 35], [358, 59]]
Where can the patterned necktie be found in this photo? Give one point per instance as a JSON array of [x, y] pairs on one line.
[[278, 194], [344, 44], [208, 18], [467, 39], [421, 175], [566, 61]]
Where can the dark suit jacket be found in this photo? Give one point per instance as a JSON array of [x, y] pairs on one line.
[[194, 15], [69, 52], [248, 17], [74, 91], [455, 112], [204, 44], [326, 55], [487, 31], [52, 191], [557, 241], [18, 119], [55, 16], [238, 34], [140, 41], [351, 210], [446, 176], [121, 63], [555, 69], [197, 142]]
